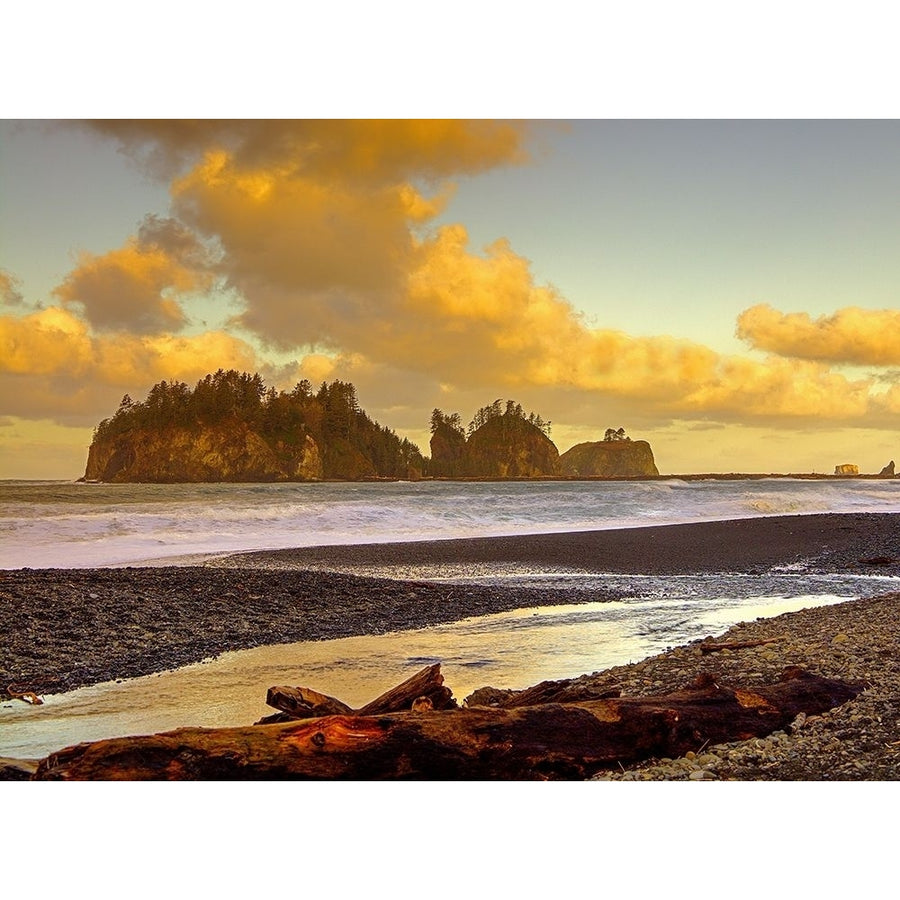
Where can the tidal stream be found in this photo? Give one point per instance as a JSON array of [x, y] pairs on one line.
[[508, 650]]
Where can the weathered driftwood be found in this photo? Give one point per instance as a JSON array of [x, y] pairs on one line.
[[305, 703], [426, 683], [712, 647], [565, 691], [573, 740], [17, 769]]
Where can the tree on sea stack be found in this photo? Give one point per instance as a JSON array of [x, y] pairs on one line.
[[505, 442], [231, 428], [616, 456], [502, 441]]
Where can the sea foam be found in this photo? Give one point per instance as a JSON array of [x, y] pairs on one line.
[[64, 525]]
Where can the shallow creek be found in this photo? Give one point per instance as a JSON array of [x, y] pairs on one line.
[[510, 650]]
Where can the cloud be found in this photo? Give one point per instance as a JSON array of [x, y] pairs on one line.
[[326, 230], [138, 286], [344, 267], [304, 255], [52, 366], [778, 389], [10, 289], [177, 242], [363, 150], [850, 335]]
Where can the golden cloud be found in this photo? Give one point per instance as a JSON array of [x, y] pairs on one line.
[[51, 365], [778, 389], [46, 342], [850, 335], [138, 286], [362, 150], [302, 253], [342, 266], [324, 232]]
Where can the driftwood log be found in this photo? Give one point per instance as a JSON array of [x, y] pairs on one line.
[[551, 740], [19, 692], [564, 691], [304, 703]]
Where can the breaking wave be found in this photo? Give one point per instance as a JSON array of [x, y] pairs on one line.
[[63, 524]]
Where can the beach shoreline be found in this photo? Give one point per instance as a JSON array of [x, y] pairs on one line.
[[827, 541], [66, 628], [71, 627]]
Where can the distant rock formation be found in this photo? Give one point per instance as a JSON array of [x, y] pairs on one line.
[[509, 446], [888, 470], [231, 428], [502, 442], [513, 444], [847, 470], [448, 451], [609, 459], [178, 454]]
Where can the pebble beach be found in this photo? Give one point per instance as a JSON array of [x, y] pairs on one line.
[[67, 628], [857, 641]]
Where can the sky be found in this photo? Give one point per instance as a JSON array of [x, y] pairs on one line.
[[725, 289]]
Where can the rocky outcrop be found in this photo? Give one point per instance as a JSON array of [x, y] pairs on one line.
[[509, 446], [346, 462], [230, 427], [608, 459], [222, 453], [309, 462], [888, 470], [448, 452], [846, 470]]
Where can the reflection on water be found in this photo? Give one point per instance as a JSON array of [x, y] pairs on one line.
[[512, 649]]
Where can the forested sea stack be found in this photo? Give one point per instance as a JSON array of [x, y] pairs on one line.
[[231, 428], [502, 442]]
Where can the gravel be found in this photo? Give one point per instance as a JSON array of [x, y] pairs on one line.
[[858, 641], [66, 628]]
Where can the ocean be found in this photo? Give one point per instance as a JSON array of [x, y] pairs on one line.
[[64, 525]]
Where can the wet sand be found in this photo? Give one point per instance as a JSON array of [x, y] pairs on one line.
[[834, 542]]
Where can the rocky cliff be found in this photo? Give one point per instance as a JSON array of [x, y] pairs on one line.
[[608, 459], [231, 452], [230, 427], [509, 446], [448, 452]]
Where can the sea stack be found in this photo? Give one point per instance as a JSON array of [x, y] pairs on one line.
[[609, 459], [509, 446], [230, 428]]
